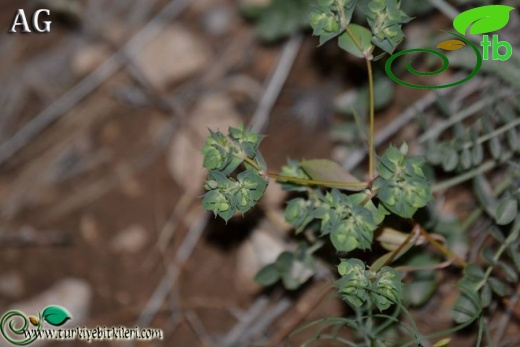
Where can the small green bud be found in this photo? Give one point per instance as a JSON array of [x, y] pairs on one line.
[[354, 283], [296, 211], [387, 288], [211, 184]]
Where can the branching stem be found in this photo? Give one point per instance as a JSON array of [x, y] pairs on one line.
[[443, 249], [310, 182]]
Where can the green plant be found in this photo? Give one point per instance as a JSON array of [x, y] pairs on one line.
[[355, 214]]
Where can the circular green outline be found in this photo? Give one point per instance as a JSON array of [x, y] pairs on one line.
[[388, 66], [19, 331]]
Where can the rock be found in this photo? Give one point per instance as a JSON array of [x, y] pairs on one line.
[[89, 229], [218, 20], [261, 248], [11, 285], [131, 240], [72, 294], [173, 55], [215, 112]]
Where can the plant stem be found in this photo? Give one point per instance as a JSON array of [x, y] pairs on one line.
[[371, 133], [398, 250], [367, 56], [310, 182], [441, 248], [251, 162], [307, 182]]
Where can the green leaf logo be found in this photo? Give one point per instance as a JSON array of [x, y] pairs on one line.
[[56, 315], [482, 20]]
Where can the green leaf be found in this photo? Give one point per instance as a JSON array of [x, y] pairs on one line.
[[474, 272], [353, 284], [363, 37], [495, 147], [477, 152], [499, 287], [486, 295], [298, 214], [284, 262], [267, 276], [327, 170], [509, 271], [507, 211], [56, 315], [482, 20], [450, 158], [418, 292], [387, 288], [484, 194], [466, 308], [282, 18], [423, 284]]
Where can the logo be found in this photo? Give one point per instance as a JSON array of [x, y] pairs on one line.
[[481, 20], [21, 330], [9, 327]]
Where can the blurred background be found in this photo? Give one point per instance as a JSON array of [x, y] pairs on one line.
[[101, 125]]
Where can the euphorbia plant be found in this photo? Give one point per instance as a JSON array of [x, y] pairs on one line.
[[333, 203]]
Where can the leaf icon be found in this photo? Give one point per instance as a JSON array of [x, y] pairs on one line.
[[451, 45], [56, 315], [483, 19]]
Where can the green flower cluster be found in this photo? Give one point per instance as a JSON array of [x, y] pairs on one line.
[[385, 18], [357, 284], [402, 186], [222, 156], [349, 225], [325, 18]]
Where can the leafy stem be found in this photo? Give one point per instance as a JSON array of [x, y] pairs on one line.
[[489, 165], [303, 181], [513, 236]]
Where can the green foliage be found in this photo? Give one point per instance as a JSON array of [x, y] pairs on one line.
[[478, 286], [402, 186], [349, 225], [222, 156], [358, 41], [293, 268], [327, 170], [332, 18], [357, 284], [280, 19], [507, 210], [330, 202], [386, 18]]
